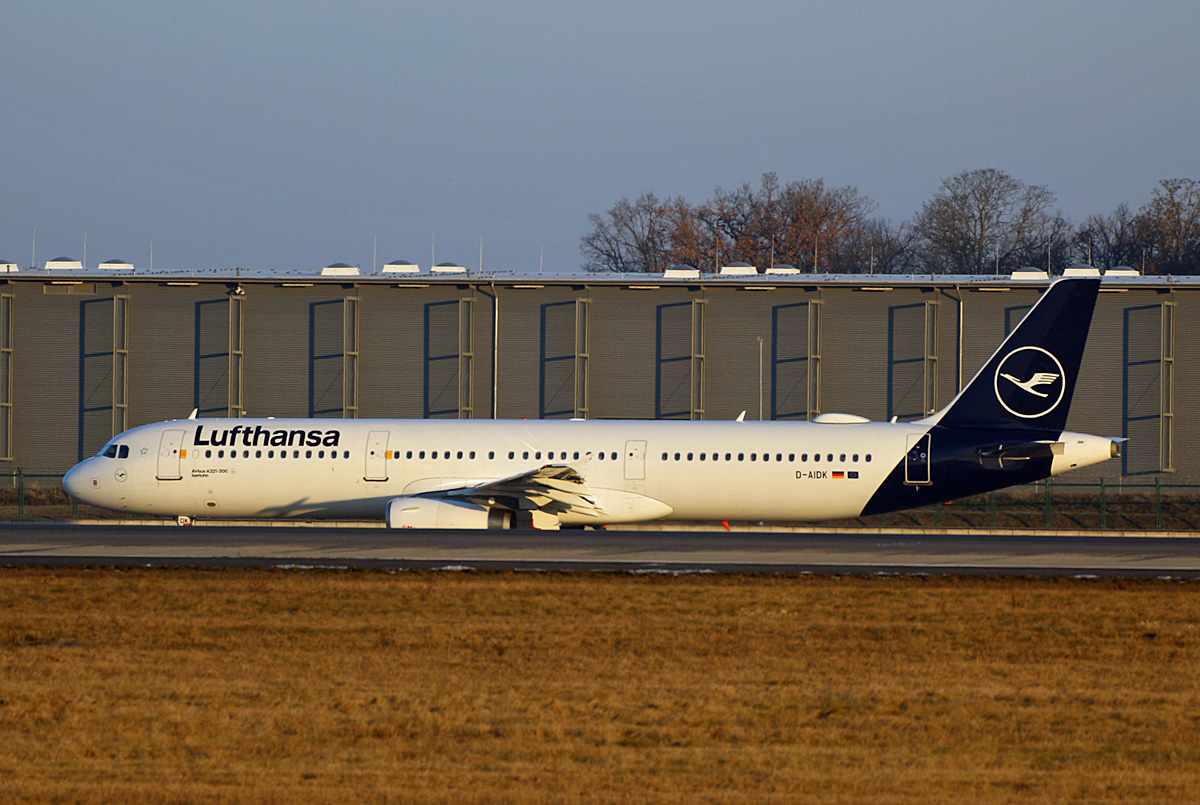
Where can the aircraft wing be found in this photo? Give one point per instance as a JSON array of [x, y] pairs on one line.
[[553, 489]]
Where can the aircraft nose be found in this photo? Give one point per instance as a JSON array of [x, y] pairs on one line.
[[77, 481]]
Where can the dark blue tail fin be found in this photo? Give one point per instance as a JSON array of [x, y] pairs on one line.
[[1029, 380]]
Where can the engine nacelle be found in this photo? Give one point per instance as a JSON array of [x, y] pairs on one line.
[[415, 512]]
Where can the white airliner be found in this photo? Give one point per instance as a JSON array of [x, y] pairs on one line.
[[552, 473]]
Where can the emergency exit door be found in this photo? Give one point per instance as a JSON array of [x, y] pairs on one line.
[[635, 460]]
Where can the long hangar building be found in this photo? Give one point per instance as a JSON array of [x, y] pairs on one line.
[[87, 354]]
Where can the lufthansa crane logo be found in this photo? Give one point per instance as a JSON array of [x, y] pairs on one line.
[[1029, 382]]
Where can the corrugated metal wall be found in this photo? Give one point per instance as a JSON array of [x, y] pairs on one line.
[[610, 350]]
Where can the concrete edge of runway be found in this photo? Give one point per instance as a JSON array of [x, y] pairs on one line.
[[654, 527], [300, 564]]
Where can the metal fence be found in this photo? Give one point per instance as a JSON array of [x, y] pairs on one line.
[[1048, 504], [27, 491], [1061, 505]]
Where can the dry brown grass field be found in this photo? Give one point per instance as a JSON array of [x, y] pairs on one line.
[[257, 686]]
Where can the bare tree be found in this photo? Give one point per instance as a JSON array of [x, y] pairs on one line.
[[1169, 226], [803, 223], [1050, 246], [882, 247], [631, 237], [1111, 240], [982, 221], [840, 218]]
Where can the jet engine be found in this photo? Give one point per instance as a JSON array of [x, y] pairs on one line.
[[418, 512]]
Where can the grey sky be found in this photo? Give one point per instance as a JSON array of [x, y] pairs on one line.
[[286, 135]]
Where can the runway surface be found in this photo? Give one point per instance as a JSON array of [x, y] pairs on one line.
[[634, 551]]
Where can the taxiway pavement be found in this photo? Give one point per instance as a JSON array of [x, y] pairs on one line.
[[896, 552]]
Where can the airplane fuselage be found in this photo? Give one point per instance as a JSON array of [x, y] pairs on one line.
[[636, 470]]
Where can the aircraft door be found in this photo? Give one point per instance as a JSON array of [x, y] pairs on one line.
[[168, 455], [635, 460], [916, 462], [376, 456]]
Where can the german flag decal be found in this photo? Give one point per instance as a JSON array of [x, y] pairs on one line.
[[838, 474]]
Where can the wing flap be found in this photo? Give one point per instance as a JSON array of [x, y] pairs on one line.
[[554, 488]]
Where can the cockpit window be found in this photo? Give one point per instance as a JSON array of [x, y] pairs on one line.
[[123, 451], [110, 451]]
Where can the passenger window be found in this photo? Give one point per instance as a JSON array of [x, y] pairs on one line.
[[689, 456], [472, 454], [320, 454], [729, 456], [576, 454], [868, 457], [491, 454], [676, 456], [295, 454], [842, 457], [613, 456], [208, 454], [741, 456], [816, 456], [701, 456], [460, 454], [525, 454], [308, 454], [856, 458], [804, 457], [510, 454], [792, 457]]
